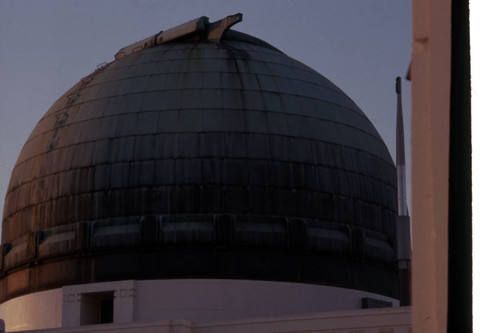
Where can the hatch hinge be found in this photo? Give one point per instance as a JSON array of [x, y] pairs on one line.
[[218, 28]]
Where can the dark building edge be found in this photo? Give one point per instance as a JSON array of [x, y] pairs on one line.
[[460, 183]]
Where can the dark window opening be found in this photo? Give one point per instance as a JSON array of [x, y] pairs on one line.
[[97, 308], [106, 311]]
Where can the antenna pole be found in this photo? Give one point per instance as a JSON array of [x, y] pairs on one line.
[[403, 222], [400, 154]]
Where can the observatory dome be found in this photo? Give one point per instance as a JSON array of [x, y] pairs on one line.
[[196, 156]]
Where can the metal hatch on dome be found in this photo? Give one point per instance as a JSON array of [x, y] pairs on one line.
[[197, 29]]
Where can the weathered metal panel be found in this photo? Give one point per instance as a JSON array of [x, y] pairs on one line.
[[183, 133]]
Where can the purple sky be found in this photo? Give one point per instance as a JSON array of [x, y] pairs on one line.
[[47, 46]]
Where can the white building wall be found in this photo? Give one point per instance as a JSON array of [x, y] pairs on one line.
[[203, 300], [387, 320], [195, 300], [34, 311]]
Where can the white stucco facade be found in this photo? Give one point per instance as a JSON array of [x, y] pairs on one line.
[[195, 300], [38, 310], [387, 320]]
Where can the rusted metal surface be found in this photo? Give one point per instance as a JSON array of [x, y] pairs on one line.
[[227, 160]]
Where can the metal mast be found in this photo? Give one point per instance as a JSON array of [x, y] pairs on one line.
[[403, 225], [400, 154]]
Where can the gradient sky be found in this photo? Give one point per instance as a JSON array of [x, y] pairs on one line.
[[47, 46]]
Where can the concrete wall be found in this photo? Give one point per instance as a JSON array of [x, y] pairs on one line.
[[33, 311], [196, 300], [388, 320], [202, 300], [430, 76]]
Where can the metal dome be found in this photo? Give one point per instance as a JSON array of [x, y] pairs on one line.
[[201, 159]]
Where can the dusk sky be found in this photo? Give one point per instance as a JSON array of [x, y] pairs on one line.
[[48, 46]]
